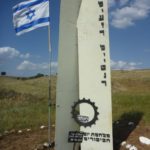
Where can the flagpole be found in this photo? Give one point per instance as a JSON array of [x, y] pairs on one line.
[[49, 92]]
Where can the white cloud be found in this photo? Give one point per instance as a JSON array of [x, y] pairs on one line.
[[8, 53], [54, 64], [123, 65], [46, 65], [27, 65], [25, 56], [126, 16]]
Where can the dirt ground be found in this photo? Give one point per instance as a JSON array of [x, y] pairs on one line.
[[33, 139], [132, 137], [24, 141]]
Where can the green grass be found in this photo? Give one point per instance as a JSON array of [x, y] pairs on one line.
[[131, 93], [124, 103], [24, 103], [23, 115]]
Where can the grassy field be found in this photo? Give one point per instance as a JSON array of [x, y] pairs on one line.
[[131, 94], [24, 103]]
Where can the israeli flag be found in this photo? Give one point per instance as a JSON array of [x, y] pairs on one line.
[[30, 15]]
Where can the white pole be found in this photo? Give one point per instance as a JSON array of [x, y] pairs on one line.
[[49, 93]]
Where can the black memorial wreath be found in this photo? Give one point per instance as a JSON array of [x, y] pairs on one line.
[[75, 113]]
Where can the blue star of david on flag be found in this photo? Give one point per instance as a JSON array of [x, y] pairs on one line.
[[30, 15]]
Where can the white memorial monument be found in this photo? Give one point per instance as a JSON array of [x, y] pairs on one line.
[[83, 101]]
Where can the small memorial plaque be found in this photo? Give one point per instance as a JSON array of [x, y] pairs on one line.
[[75, 137]]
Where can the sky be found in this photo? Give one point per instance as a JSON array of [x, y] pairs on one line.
[[28, 55]]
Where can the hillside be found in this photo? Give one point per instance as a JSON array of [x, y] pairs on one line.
[[131, 93], [23, 104], [131, 103]]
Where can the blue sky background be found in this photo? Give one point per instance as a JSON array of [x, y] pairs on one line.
[[27, 55]]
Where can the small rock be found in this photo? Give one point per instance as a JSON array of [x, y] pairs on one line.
[[53, 125], [42, 127], [28, 130], [131, 123], [123, 143], [128, 146], [46, 145], [133, 148], [117, 122], [144, 140], [19, 131]]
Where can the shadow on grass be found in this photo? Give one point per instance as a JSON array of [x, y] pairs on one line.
[[124, 126]]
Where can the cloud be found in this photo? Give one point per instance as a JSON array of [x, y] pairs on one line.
[[27, 65], [54, 64], [123, 65], [25, 56], [8, 53], [126, 16]]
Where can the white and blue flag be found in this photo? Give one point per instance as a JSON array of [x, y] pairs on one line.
[[30, 15]]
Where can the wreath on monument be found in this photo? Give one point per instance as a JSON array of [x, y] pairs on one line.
[[75, 112]]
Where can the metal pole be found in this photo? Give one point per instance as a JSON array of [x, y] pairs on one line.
[[49, 92]]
